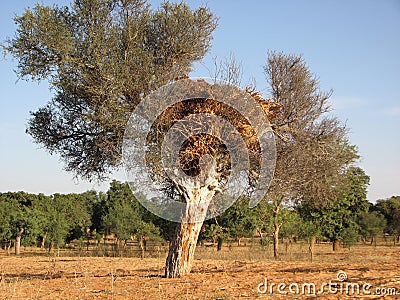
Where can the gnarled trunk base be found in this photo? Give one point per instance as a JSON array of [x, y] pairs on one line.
[[197, 195], [181, 252]]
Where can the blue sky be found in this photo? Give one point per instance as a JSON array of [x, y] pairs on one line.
[[352, 46]]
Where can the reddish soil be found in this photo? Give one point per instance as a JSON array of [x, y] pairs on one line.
[[233, 273]]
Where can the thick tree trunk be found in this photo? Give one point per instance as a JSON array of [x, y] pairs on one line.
[[181, 253], [18, 241], [183, 246], [197, 195]]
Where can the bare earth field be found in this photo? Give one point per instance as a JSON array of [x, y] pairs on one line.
[[233, 273]]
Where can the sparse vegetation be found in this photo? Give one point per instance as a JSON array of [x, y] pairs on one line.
[[234, 272]]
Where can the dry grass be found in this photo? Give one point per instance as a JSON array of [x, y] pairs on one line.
[[232, 273]]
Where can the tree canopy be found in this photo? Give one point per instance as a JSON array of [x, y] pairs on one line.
[[100, 58], [390, 208]]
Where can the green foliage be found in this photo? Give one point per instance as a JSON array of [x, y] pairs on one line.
[[16, 212], [212, 231], [371, 223], [64, 217], [239, 220], [337, 219], [390, 208], [9, 211], [350, 235], [291, 223], [166, 228], [274, 213], [308, 228], [122, 220], [101, 57], [61, 218], [124, 214]]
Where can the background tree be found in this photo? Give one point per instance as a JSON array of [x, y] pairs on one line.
[[273, 215], [308, 230], [372, 223], [213, 231], [21, 222], [337, 218], [92, 202], [10, 214], [238, 221], [390, 208], [290, 229], [278, 219], [124, 217]]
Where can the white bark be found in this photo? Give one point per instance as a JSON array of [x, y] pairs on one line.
[[197, 194]]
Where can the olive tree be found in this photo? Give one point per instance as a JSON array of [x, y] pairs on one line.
[[100, 58]]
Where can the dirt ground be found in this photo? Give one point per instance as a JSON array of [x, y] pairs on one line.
[[233, 273]]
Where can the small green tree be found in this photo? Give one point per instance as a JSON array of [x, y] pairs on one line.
[[278, 220], [55, 225], [372, 223], [239, 220], [21, 222], [310, 231], [124, 217], [337, 219], [390, 208], [350, 235], [213, 231]]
